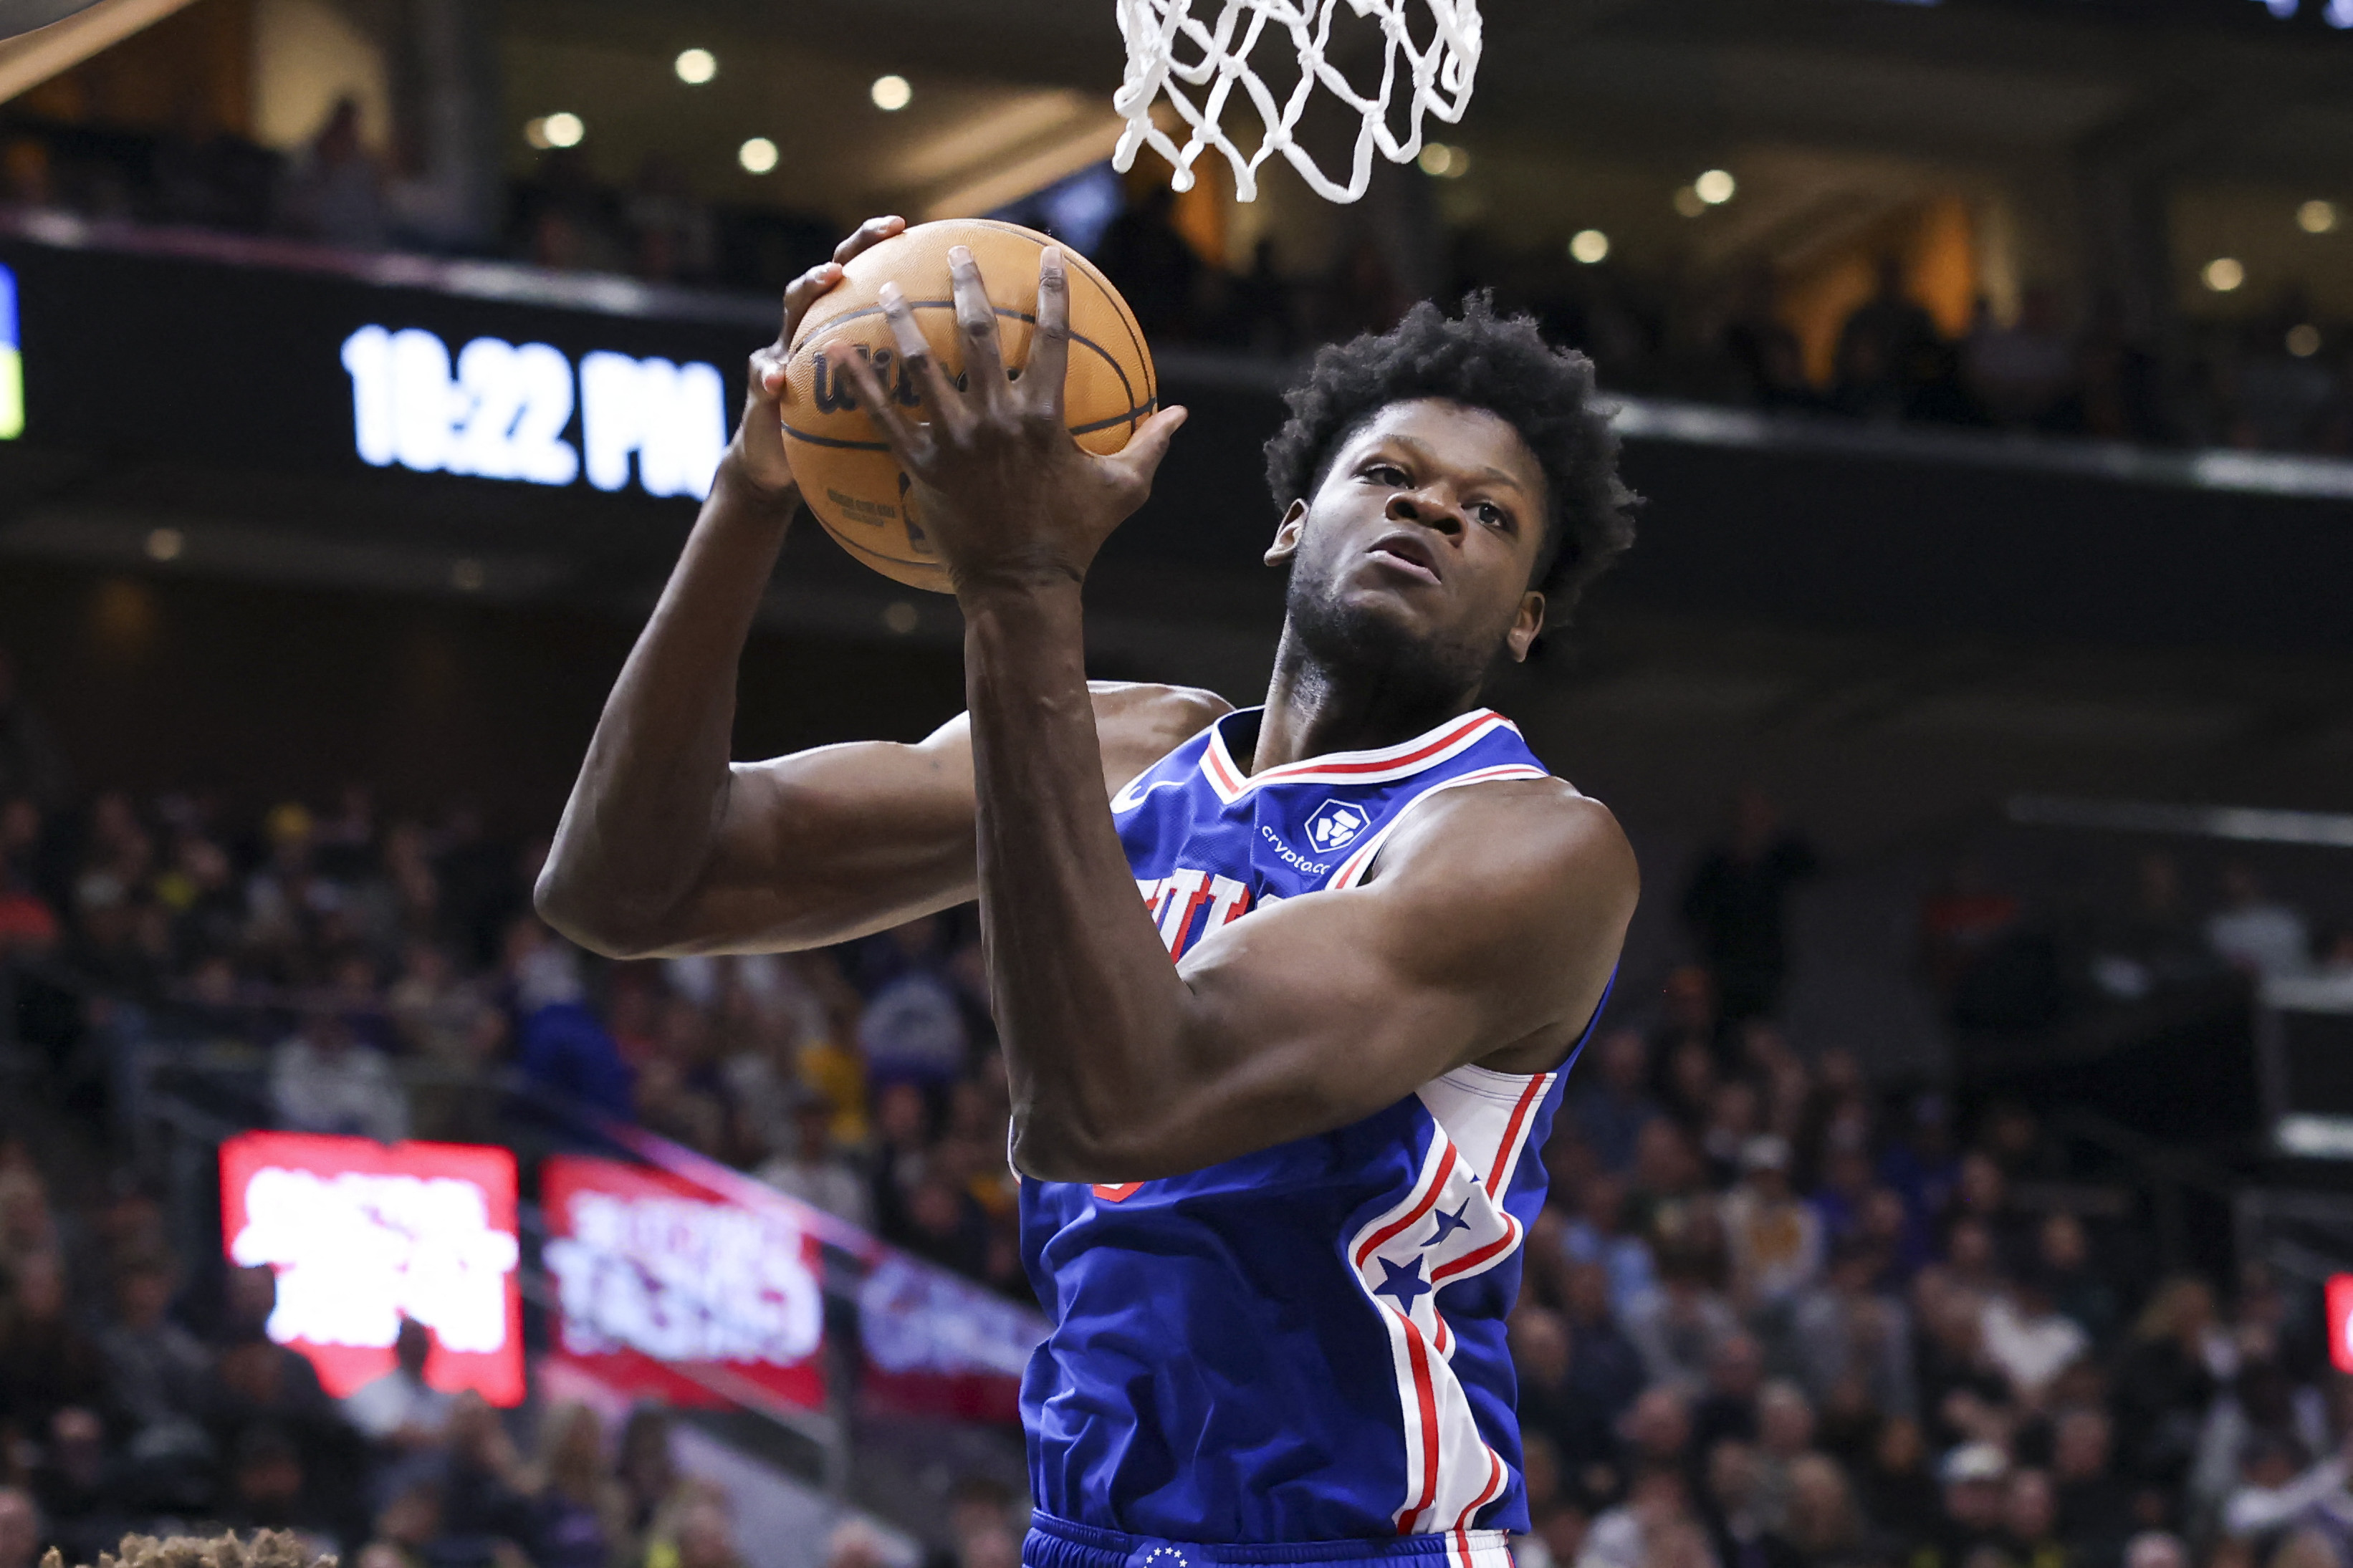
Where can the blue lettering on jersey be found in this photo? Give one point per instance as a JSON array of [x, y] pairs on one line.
[[1305, 1343]]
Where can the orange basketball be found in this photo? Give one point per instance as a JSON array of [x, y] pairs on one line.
[[847, 476]]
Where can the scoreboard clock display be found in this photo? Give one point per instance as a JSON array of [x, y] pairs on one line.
[[488, 377]]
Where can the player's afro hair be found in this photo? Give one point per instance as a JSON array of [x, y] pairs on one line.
[[1503, 364]]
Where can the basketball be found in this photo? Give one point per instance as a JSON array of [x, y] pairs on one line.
[[847, 476]]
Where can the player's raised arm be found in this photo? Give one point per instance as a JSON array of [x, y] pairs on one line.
[[664, 846]]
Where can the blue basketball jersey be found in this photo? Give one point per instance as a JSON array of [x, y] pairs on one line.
[[1306, 1343]]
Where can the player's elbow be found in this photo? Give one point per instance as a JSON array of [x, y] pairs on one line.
[[577, 910]]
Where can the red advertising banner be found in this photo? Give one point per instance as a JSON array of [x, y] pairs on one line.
[[362, 1234], [658, 1278], [2341, 1322]]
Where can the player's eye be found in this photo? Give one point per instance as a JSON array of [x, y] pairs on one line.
[[1492, 515], [1387, 474]]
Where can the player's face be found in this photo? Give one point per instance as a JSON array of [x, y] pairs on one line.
[[1420, 542]]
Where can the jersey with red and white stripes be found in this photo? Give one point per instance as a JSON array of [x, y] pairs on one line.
[[1305, 1343]]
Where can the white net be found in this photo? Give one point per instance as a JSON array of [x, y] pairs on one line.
[[1197, 65]]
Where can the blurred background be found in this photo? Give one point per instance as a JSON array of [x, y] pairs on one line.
[[1960, 1168]]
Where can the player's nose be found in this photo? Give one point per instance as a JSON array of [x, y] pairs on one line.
[[1428, 508]]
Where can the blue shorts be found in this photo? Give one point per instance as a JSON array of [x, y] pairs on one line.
[[1058, 1543]]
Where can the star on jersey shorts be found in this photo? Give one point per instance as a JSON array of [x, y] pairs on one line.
[[1059, 1543]]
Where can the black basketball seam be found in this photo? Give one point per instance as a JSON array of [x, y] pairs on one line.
[[1138, 411], [1126, 387], [1095, 276], [857, 549]]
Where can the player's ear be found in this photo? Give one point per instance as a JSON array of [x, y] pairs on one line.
[[1287, 534], [1525, 626]]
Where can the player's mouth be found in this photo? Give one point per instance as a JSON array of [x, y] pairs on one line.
[[1405, 554]]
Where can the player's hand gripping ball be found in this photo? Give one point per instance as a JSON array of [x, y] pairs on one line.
[[847, 473]]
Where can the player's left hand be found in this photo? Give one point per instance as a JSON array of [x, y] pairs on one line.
[[1006, 494]]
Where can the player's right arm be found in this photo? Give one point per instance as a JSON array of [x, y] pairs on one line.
[[666, 846]]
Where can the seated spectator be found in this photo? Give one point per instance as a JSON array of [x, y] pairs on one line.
[[2096, 1506], [1976, 1478], [1645, 1531], [1822, 1524], [20, 1528], [2261, 1401], [1596, 1235], [1736, 1524], [1543, 1354], [400, 1410], [1898, 1489], [2156, 1548], [2279, 1491], [336, 193], [2029, 1340], [2019, 373], [1678, 1326], [913, 1029], [2030, 1523], [2062, 1253], [47, 1362], [816, 1173], [1785, 1434], [1774, 1237], [267, 1488], [323, 1079], [581, 1511], [1847, 1331], [157, 1378], [258, 1384], [2166, 1375], [696, 1529], [1613, 1106], [1605, 1369], [482, 1481], [1727, 1407], [2261, 936]]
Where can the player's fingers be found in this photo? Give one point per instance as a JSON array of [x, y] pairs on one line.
[[1050, 345], [984, 363], [917, 360], [906, 443], [1140, 458], [867, 236], [763, 380], [801, 293]]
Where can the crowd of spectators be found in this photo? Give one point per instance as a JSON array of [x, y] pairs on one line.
[[2278, 381], [137, 1393], [1773, 1314]]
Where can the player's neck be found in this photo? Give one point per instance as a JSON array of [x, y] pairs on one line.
[[1313, 709]]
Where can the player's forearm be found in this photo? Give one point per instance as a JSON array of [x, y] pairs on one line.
[[639, 831], [1088, 1005]]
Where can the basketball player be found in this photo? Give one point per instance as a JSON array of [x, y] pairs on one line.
[[1276, 1117]]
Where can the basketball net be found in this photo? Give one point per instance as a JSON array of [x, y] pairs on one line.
[[1196, 65]]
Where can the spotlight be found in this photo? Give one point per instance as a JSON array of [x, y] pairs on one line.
[[563, 129], [2316, 217], [758, 155], [1688, 202], [695, 67], [2223, 274], [2304, 339], [1715, 187], [891, 93], [1445, 163], [1589, 246], [165, 544]]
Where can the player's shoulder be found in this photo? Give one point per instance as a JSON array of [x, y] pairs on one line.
[[1544, 831], [1139, 721]]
